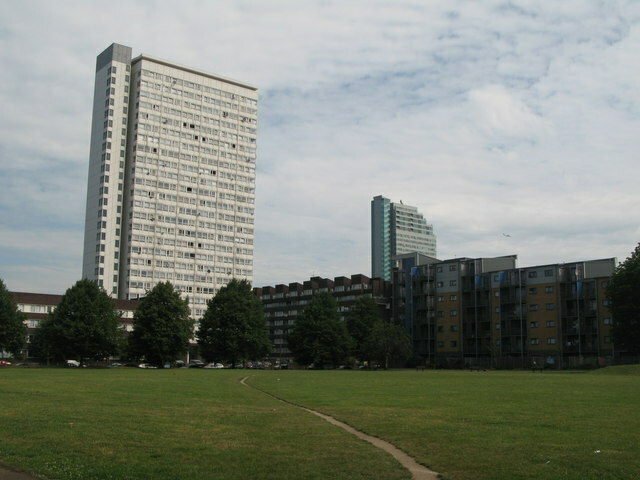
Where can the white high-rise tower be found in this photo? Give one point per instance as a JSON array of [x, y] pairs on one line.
[[171, 185]]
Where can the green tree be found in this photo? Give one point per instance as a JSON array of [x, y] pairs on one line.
[[387, 343], [13, 331], [360, 321], [624, 303], [233, 328], [83, 325], [162, 326], [319, 337]]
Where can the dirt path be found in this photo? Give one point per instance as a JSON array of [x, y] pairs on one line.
[[8, 473], [419, 472]]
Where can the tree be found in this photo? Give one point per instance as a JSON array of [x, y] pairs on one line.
[[233, 328], [624, 303], [360, 320], [83, 325], [162, 326], [13, 331], [387, 342], [319, 336]]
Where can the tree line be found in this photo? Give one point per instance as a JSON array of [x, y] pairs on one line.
[[86, 326], [320, 339]]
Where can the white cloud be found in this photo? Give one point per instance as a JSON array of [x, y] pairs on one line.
[[491, 117], [499, 114]]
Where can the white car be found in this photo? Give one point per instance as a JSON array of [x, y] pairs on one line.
[[214, 365], [146, 365], [73, 363]]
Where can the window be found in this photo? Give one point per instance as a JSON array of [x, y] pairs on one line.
[[551, 323], [440, 298], [535, 341], [548, 289], [440, 284], [533, 290], [453, 313], [441, 344], [497, 309], [440, 313], [548, 273], [439, 269], [607, 339], [551, 341], [453, 343], [440, 328], [533, 308], [550, 306], [533, 274], [453, 268], [498, 326], [453, 283], [533, 324], [454, 328], [606, 321], [453, 297]]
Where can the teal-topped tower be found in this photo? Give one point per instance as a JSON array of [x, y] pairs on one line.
[[397, 229]]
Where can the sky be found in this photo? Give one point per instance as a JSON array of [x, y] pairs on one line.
[[513, 126]]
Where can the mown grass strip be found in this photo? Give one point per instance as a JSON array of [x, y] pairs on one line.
[[130, 424], [488, 425]]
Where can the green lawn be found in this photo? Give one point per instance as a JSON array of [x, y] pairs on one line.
[[487, 425], [202, 424], [120, 424]]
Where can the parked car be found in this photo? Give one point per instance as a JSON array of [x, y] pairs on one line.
[[214, 365], [146, 365], [73, 363], [4, 363], [196, 365]]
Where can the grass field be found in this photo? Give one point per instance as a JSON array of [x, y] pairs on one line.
[[202, 424]]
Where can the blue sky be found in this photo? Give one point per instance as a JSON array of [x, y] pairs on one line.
[[491, 117]]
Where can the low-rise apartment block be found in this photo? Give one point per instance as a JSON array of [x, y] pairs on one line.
[[36, 307], [488, 312], [284, 303]]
